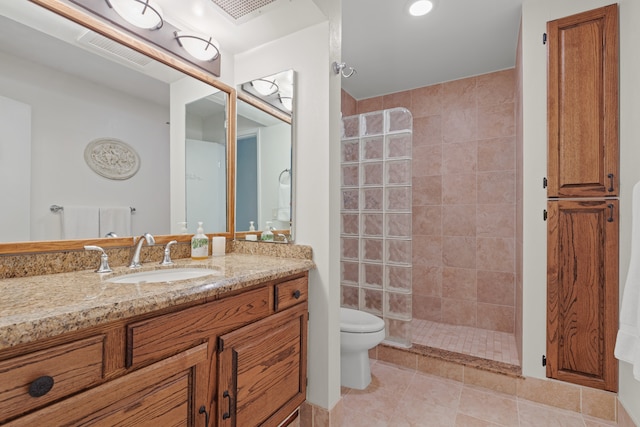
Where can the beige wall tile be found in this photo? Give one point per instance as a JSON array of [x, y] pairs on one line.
[[496, 287], [459, 283], [369, 104], [491, 380], [548, 392], [426, 280], [459, 220], [426, 101], [426, 307], [496, 317], [397, 357], [459, 312], [599, 404], [441, 368], [496, 88]]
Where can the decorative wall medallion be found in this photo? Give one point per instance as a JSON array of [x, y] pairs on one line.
[[112, 158]]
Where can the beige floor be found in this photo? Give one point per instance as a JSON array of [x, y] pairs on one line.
[[399, 397], [492, 345]]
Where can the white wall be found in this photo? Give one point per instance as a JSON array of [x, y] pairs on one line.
[[67, 114], [535, 15], [317, 117], [15, 169]]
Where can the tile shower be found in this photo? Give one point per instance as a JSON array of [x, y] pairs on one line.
[[376, 266], [463, 202]]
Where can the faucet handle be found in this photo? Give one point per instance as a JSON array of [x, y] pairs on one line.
[[104, 259], [167, 253]]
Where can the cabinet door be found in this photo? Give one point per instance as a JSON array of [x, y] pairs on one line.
[[262, 370], [582, 292], [167, 393], [583, 104]]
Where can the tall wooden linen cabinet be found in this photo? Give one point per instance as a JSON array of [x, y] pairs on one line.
[[582, 190]]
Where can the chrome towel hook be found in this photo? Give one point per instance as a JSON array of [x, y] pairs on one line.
[[340, 69]]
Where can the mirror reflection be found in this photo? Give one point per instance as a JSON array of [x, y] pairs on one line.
[[206, 165], [264, 183], [86, 126]]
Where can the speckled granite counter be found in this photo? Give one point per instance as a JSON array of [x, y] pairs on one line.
[[38, 307]]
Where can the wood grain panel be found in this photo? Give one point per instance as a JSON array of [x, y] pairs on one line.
[[158, 395], [582, 291], [290, 293], [73, 367], [156, 338], [263, 369], [583, 104]]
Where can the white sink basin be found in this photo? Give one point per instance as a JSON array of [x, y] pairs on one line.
[[168, 275]]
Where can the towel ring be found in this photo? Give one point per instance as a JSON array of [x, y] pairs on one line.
[[288, 171]]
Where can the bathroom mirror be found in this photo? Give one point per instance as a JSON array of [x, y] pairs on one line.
[[264, 153], [65, 86]]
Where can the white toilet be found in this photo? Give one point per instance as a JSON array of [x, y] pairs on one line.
[[359, 332]]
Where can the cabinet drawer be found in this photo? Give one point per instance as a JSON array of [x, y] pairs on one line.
[[163, 336], [290, 293], [72, 367]]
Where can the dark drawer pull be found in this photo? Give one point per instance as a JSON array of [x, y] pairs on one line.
[[227, 414], [41, 386], [296, 294]]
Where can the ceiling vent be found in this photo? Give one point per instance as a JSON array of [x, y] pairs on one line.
[[109, 48], [240, 11]]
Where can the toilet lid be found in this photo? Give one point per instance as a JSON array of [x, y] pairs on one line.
[[359, 321]]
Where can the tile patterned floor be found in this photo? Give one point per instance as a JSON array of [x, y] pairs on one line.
[[492, 345], [399, 397]]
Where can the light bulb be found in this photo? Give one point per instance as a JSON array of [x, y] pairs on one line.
[[141, 13], [420, 7]]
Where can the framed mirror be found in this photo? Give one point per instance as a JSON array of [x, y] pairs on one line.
[[264, 156], [70, 83]]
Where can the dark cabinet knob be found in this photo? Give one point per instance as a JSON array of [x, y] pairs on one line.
[[41, 386], [296, 294]]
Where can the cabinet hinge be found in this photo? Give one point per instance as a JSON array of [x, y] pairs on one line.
[[544, 360], [308, 316], [220, 345], [544, 38], [544, 215], [544, 182]]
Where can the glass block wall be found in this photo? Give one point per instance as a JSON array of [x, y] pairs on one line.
[[376, 218]]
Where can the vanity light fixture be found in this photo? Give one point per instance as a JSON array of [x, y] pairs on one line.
[[204, 48], [144, 14], [420, 7], [265, 87], [287, 102]]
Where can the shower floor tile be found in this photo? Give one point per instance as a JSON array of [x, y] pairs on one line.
[[492, 345]]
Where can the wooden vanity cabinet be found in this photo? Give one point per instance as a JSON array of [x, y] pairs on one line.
[[236, 361], [163, 394], [261, 370]]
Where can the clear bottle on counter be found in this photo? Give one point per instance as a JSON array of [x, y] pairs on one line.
[[200, 244], [267, 235]]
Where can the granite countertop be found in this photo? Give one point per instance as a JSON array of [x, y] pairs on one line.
[[38, 307]]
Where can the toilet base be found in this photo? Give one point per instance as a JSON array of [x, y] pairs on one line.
[[355, 371]]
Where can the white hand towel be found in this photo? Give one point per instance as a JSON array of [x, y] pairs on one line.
[[80, 222], [116, 220], [284, 201], [628, 339]]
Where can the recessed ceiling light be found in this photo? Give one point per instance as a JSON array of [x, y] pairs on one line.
[[420, 7]]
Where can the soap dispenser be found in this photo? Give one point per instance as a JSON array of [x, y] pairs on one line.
[[267, 235], [199, 244]]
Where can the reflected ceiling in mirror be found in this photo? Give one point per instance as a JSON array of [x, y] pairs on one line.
[[264, 152], [63, 86]]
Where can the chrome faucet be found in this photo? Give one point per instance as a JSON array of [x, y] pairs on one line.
[[135, 259], [166, 260], [284, 238]]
